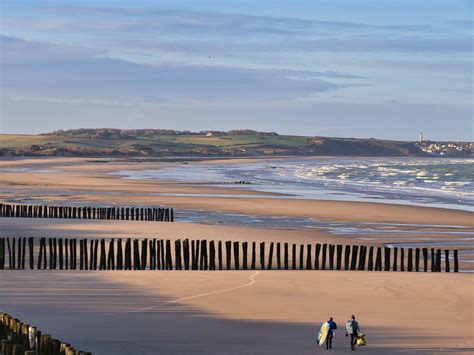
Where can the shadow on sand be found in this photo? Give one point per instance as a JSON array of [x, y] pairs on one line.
[[113, 318]]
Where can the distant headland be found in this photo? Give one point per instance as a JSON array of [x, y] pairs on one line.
[[109, 142]]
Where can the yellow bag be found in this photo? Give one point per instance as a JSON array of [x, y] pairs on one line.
[[361, 341]]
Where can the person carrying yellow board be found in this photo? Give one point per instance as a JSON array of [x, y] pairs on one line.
[[352, 329]]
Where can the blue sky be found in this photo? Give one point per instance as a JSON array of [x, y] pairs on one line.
[[366, 68]]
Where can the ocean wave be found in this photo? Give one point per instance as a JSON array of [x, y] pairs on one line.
[[425, 181]]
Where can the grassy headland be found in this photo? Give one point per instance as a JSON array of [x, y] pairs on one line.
[[159, 142]]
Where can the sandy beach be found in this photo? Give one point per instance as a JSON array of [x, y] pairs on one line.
[[269, 312], [274, 312]]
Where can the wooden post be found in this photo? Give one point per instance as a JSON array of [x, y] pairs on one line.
[[395, 259], [446, 260], [387, 259], [219, 255], [61, 253], [111, 255], [308, 257], [197, 251], [128, 254], [244, 254], [417, 259], [362, 256], [51, 254], [204, 262], [212, 256], [378, 260], [254, 257], [144, 255], [94, 253], [278, 255], [301, 257], [425, 259], [119, 255], [186, 253], [370, 263], [19, 253], [55, 253], [228, 251], [169, 258], [262, 255], [236, 256], [433, 266], [74, 251], [177, 254], [159, 255], [293, 256], [2, 252], [402, 259], [323, 256], [152, 249], [30, 250], [331, 256], [438, 260], [136, 255], [103, 255], [270, 257], [40, 255], [456, 261], [286, 256], [66, 253], [410, 260], [316, 256], [347, 256], [23, 254], [81, 254], [11, 253], [160, 258], [355, 250], [193, 255]]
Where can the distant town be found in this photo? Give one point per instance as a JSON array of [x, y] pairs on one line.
[[445, 148]]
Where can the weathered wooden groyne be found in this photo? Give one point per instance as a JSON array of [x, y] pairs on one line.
[[158, 214], [19, 338], [159, 254]]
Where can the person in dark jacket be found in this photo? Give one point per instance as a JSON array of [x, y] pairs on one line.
[[352, 329], [331, 333]]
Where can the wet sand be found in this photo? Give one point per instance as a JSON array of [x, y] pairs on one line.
[[84, 181]]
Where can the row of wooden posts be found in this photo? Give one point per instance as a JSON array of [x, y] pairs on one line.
[[159, 254], [159, 214], [18, 338]]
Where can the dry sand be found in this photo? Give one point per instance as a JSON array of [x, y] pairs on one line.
[[277, 313], [268, 312]]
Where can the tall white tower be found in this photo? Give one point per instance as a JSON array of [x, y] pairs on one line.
[[421, 137]]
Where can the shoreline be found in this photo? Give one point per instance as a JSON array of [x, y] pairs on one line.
[[84, 182], [170, 187]]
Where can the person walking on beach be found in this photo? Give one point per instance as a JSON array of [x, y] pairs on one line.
[[352, 329], [331, 333]]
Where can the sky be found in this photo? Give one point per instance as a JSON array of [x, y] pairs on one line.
[[367, 68]]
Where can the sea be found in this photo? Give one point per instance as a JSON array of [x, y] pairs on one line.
[[433, 182]]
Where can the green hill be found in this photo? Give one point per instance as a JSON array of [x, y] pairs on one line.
[[158, 142]]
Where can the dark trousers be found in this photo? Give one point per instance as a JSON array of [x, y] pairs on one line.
[[353, 340], [329, 341]]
